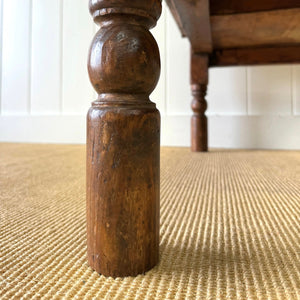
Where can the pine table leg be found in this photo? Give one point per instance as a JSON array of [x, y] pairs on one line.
[[123, 139], [199, 81]]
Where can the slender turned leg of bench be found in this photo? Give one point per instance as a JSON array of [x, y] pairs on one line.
[[199, 81], [123, 132]]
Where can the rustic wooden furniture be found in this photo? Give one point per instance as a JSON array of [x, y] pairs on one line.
[[123, 139], [123, 125], [234, 32]]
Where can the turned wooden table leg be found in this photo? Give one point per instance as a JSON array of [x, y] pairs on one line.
[[199, 81], [123, 139]]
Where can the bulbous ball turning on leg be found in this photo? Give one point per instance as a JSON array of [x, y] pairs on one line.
[[123, 139], [124, 58]]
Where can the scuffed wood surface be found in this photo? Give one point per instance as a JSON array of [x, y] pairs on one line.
[[193, 20], [255, 56], [223, 7], [272, 28], [123, 140]]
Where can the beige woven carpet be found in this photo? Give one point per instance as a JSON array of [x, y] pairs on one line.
[[230, 227]]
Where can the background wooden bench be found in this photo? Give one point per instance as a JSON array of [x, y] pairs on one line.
[[233, 32]]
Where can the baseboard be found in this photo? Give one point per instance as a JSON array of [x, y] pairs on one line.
[[43, 129], [231, 131], [262, 132]]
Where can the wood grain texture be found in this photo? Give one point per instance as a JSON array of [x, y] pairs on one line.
[[253, 33], [46, 55], [223, 7], [199, 81], [255, 56], [123, 140], [272, 28], [193, 20]]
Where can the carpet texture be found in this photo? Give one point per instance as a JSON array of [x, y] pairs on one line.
[[230, 227]]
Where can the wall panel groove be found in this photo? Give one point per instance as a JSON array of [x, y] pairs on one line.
[[78, 31], [296, 90], [15, 54], [61, 19], [29, 59], [45, 84], [246, 91]]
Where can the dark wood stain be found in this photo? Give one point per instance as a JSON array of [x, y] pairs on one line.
[[222, 7], [233, 32], [199, 81], [255, 56], [123, 140]]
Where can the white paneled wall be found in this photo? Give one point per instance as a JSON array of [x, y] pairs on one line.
[[46, 56], [296, 89], [45, 91], [16, 56], [77, 26]]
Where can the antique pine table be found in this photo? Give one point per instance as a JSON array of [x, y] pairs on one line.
[[123, 125], [230, 33], [123, 139]]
